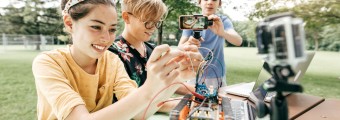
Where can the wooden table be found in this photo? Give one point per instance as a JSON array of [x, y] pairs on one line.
[[327, 110], [300, 106], [298, 103]]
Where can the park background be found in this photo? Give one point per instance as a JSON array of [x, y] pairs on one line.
[[28, 27]]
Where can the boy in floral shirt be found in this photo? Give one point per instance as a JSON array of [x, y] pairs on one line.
[[141, 18]]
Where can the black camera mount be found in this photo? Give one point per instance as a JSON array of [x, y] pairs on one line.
[[280, 38], [278, 109], [197, 34]]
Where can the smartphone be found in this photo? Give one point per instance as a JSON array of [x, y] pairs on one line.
[[194, 22]]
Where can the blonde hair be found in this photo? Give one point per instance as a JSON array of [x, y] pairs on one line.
[[146, 10]]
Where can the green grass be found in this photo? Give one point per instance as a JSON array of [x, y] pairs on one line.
[[17, 91], [322, 77], [18, 94]]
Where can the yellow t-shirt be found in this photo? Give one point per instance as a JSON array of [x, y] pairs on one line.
[[61, 84]]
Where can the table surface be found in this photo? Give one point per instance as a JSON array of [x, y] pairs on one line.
[[327, 110], [298, 103], [300, 106]]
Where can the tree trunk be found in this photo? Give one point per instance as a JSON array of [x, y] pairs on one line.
[[39, 38], [316, 42], [159, 37], [38, 43]]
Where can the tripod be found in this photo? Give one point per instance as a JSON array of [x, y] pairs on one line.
[[278, 109]]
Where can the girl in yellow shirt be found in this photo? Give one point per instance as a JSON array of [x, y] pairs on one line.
[[78, 82]]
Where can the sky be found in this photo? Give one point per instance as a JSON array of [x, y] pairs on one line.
[[4, 3], [244, 6]]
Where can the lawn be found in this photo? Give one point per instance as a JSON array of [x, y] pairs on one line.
[[18, 94], [322, 77]]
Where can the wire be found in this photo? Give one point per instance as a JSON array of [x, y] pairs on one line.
[[219, 80], [201, 69], [223, 68], [210, 54], [161, 103], [195, 94], [205, 73], [192, 112], [192, 64]]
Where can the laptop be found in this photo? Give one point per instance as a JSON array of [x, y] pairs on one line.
[[300, 70], [248, 89], [245, 89], [242, 110]]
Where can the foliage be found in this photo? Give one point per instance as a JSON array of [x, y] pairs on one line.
[[33, 18], [316, 14], [120, 25], [246, 30], [12, 20], [331, 36], [175, 9]]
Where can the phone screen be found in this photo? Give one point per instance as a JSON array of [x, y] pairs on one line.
[[193, 22]]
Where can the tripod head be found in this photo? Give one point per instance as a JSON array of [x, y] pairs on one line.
[[280, 41], [197, 34]]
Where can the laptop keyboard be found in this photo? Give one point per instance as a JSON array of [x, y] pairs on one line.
[[238, 109], [234, 110]]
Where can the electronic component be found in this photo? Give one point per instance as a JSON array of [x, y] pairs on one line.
[[205, 110], [209, 93], [182, 109]]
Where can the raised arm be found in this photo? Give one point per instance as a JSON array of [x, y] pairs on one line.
[[228, 34], [185, 72]]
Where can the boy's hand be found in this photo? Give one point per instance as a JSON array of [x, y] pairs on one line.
[[194, 41], [217, 26], [189, 63]]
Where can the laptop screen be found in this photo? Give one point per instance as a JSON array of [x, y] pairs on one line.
[[260, 93], [258, 90]]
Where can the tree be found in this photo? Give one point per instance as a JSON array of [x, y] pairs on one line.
[[175, 9], [120, 25], [33, 19], [246, 29], [316, 14], [331, 38], [12, 20]]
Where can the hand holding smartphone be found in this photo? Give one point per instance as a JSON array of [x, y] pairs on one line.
[[194, 22]]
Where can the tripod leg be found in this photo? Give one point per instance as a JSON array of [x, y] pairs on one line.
[[262, 109], [279, 109]]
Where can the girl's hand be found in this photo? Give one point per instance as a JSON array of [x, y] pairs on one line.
[[162, 67]]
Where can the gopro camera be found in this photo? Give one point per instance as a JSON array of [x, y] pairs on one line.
[[194, 22], [280, 38]]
